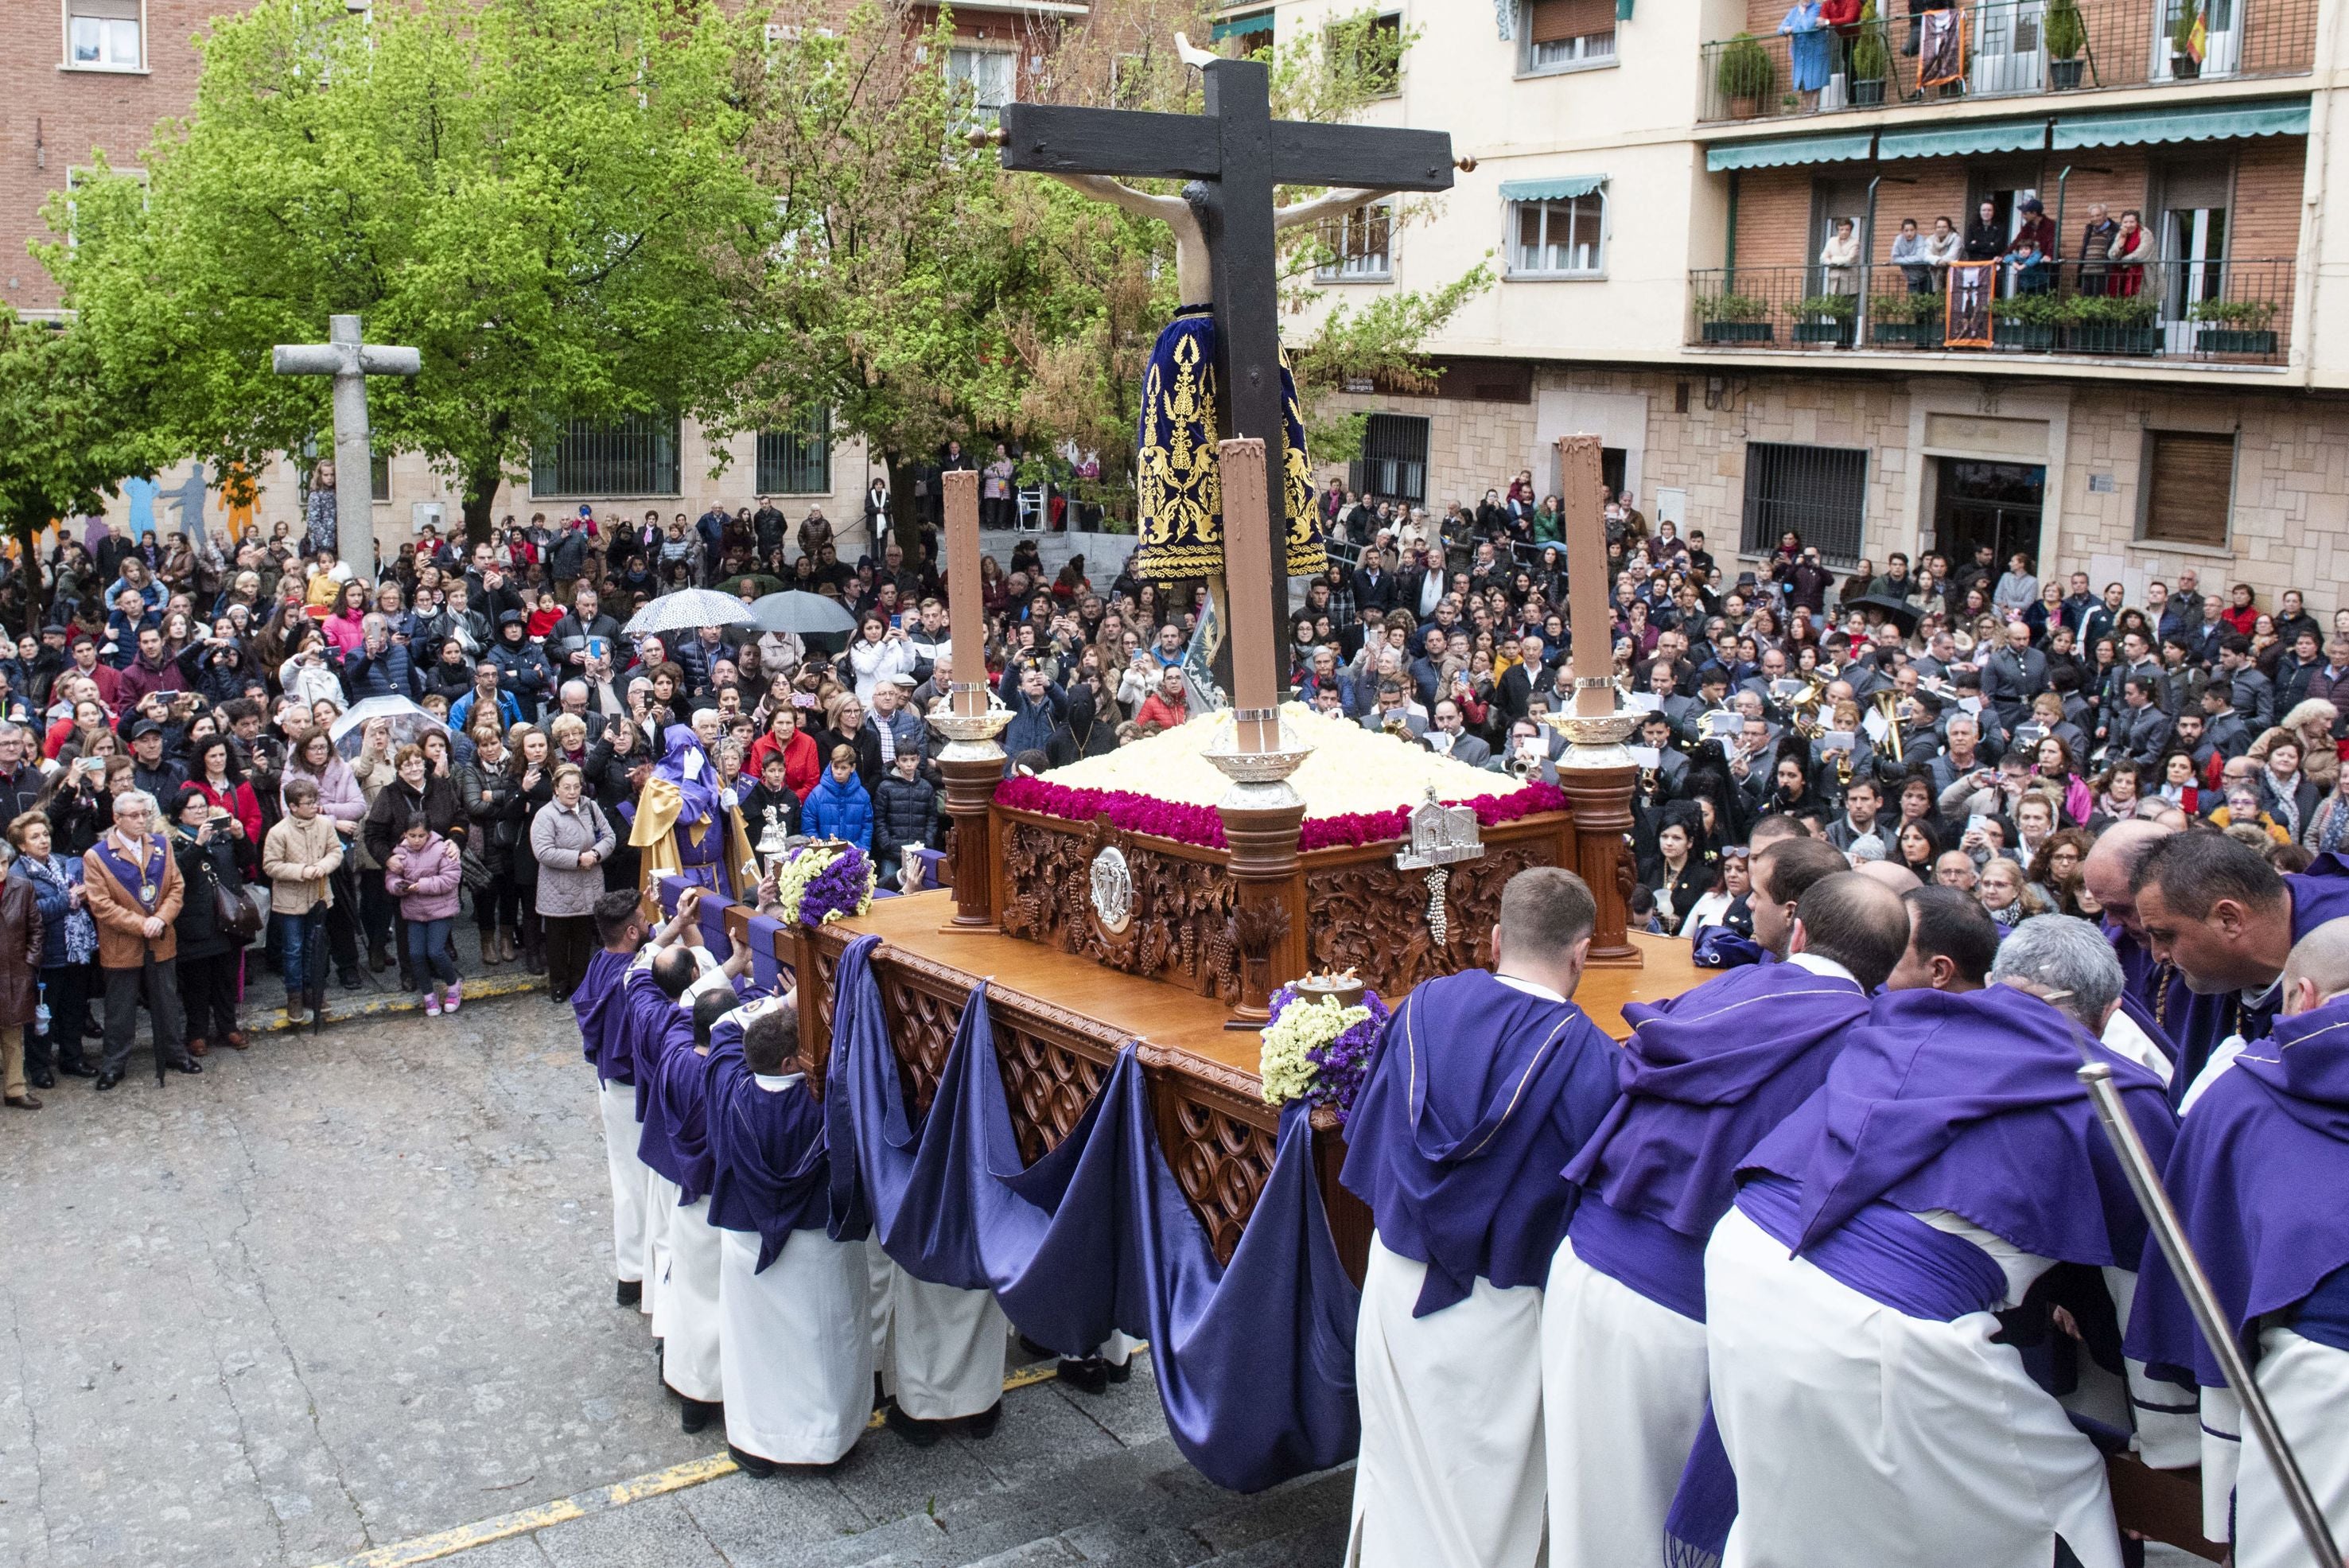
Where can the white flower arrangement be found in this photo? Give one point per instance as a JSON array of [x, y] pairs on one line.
[[820, 878], [1350, 770], [1298, 1031]]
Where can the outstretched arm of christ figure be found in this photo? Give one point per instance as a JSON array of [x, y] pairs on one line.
[[1194, 272]]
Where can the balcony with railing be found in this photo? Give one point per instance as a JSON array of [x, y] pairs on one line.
[[2006, 48], [2189, 314]]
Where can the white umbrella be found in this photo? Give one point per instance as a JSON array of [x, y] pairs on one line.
[[409, 723], [805, 613], [690, 609]]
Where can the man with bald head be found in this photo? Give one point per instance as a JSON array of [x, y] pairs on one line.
[[2259, 1160], [2219, 913], [2150, 989], [1705, 1076]]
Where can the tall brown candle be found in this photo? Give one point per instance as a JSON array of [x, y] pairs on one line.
[[966, 591]]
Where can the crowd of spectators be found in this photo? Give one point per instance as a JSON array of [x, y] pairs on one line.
[[1969, 720]]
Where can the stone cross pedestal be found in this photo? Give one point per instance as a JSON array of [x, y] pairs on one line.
[[350, 362]]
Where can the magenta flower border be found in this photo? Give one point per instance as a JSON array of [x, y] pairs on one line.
[[1204, 826]]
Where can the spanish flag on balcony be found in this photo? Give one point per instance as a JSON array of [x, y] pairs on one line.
[[2198, 36]]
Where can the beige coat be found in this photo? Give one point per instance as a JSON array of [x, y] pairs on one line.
[[293, 844]]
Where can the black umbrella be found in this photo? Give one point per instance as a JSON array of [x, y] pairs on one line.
[[1901, 614]]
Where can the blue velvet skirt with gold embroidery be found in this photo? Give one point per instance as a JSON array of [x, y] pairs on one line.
[[1181, 505]]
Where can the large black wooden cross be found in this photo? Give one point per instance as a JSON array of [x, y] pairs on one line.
[[1234, 154]]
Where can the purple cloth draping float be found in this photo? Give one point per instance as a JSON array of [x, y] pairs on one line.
[[1254, 1359]]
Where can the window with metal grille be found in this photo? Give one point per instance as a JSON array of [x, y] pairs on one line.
[[2189, 487], [633, 456], [1375, 50], [1560, 33], [1565, 238], [1358, 244], [1819, 492], [1394, 465], [797, 461]]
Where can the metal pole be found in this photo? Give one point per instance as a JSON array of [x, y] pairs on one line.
[[2107, 1098], [2061, 180], [1866, 264]]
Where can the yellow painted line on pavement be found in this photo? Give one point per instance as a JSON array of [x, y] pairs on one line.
[[602, 1500]]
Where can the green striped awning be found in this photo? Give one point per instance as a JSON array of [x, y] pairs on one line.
[[1259, 22], [1964, 140], [2210, 122], [1551, 190], [1790, 150]]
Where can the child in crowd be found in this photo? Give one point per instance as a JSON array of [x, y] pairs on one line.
[[904, 813], [299, 858], [838, 806], [423, 874], [771, 802]]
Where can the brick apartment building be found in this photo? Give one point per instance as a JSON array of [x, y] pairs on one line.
[[80, 77], [1654, 191]]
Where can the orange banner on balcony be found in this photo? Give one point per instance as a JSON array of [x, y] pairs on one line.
[[1942, 48]]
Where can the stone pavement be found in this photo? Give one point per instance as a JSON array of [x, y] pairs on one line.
[[342, 1292]]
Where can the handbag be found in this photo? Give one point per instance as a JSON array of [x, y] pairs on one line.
[[472, 869], [239, 916]]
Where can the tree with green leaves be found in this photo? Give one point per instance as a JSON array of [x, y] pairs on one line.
[[69, 435], [548, 198]]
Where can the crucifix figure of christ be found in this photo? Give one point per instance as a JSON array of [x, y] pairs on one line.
[[350, 361], [1217, 370]]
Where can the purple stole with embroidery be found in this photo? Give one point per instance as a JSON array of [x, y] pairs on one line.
[[143, 882]]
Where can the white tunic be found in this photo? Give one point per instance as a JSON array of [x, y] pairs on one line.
[[798, 1379], [2307, 1386], [660, 1202], [616, 1103], [1451, 1468], [1863, 1436], [942, 1349], [689, 1310], [1623, 1392]]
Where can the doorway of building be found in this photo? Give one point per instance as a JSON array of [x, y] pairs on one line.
[[1994, 503]]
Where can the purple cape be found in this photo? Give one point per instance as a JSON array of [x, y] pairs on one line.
[[700, 799], [674, 1141], [601, 1006], [2197, 1024], [1705, 1076], [1479, 1095], [1971, 1102], [2257, 1175], [771, 1169], [650, 1016]]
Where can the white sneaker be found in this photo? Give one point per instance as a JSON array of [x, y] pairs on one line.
[[454, 998], [432, 1003]]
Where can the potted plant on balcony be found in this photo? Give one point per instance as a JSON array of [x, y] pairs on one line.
[[1871, 62], [1825, 318], [2234, 325], [1733, 319], [2065, 35], [2186, 36], [2026, 321], [1746, 76], [1905, 320], [2112, 324]]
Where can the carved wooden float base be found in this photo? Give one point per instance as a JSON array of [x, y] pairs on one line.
[[1061, 1019]]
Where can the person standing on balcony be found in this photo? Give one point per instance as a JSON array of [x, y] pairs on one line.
[[1943, 247], [1840, 259], [1984, 240], [2132, 249], [2096, 248], [1810, 51], [2035, 227], [1908, 255]]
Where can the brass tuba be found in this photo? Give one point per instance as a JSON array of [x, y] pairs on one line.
[[1888, 704]]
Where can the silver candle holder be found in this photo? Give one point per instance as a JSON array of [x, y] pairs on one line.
[[970, 737], [1259, 779], [1597, 739]]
